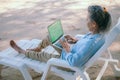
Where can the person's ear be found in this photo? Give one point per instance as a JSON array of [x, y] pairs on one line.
[[94, 24]]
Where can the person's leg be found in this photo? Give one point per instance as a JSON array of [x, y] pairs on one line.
[[45, 42], [41, 56], [36, 53], [16, 47]]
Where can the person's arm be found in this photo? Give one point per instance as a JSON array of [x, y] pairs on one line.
[[75, 59], [80, 57], [85, 52], [65, 45]]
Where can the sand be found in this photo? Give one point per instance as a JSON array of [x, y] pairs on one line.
[[29, 19]]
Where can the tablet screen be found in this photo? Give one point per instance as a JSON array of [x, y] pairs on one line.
[[55, 31]]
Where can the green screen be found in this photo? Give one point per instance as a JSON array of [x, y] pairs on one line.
[[55, 31]]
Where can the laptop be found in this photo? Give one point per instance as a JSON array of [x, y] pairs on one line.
[[55, 31]]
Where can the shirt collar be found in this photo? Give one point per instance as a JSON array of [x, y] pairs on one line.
[[91, 36]]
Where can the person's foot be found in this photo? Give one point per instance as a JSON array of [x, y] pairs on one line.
[[16, 47]]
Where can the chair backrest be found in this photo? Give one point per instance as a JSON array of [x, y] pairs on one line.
[[109, 38]]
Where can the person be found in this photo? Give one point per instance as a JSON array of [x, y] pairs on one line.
[[98, 21]]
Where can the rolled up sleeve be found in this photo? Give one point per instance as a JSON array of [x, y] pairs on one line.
[[80, 57]]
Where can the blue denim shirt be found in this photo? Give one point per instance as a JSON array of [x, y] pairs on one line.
[[83, 49]]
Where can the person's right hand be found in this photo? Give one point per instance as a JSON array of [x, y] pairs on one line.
[[65, 45], [70, 39]]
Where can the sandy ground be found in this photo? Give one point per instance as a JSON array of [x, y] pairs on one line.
[[29, 19]]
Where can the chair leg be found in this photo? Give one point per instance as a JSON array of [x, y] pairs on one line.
[[20, 66], [25, 73], [83, 75], [102, 71], [116, 70], [45, 74], [113, 65], [1, 66], [86, 75]]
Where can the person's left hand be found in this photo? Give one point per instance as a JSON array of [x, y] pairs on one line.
[[70, 39], [65, 45]]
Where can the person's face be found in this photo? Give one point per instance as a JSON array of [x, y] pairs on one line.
[[91, 25]]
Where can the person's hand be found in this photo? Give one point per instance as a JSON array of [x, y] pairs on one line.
[[65, 45], [70, 39]]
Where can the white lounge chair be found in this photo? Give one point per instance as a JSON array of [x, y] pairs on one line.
[[10, 57], [53, 64]]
